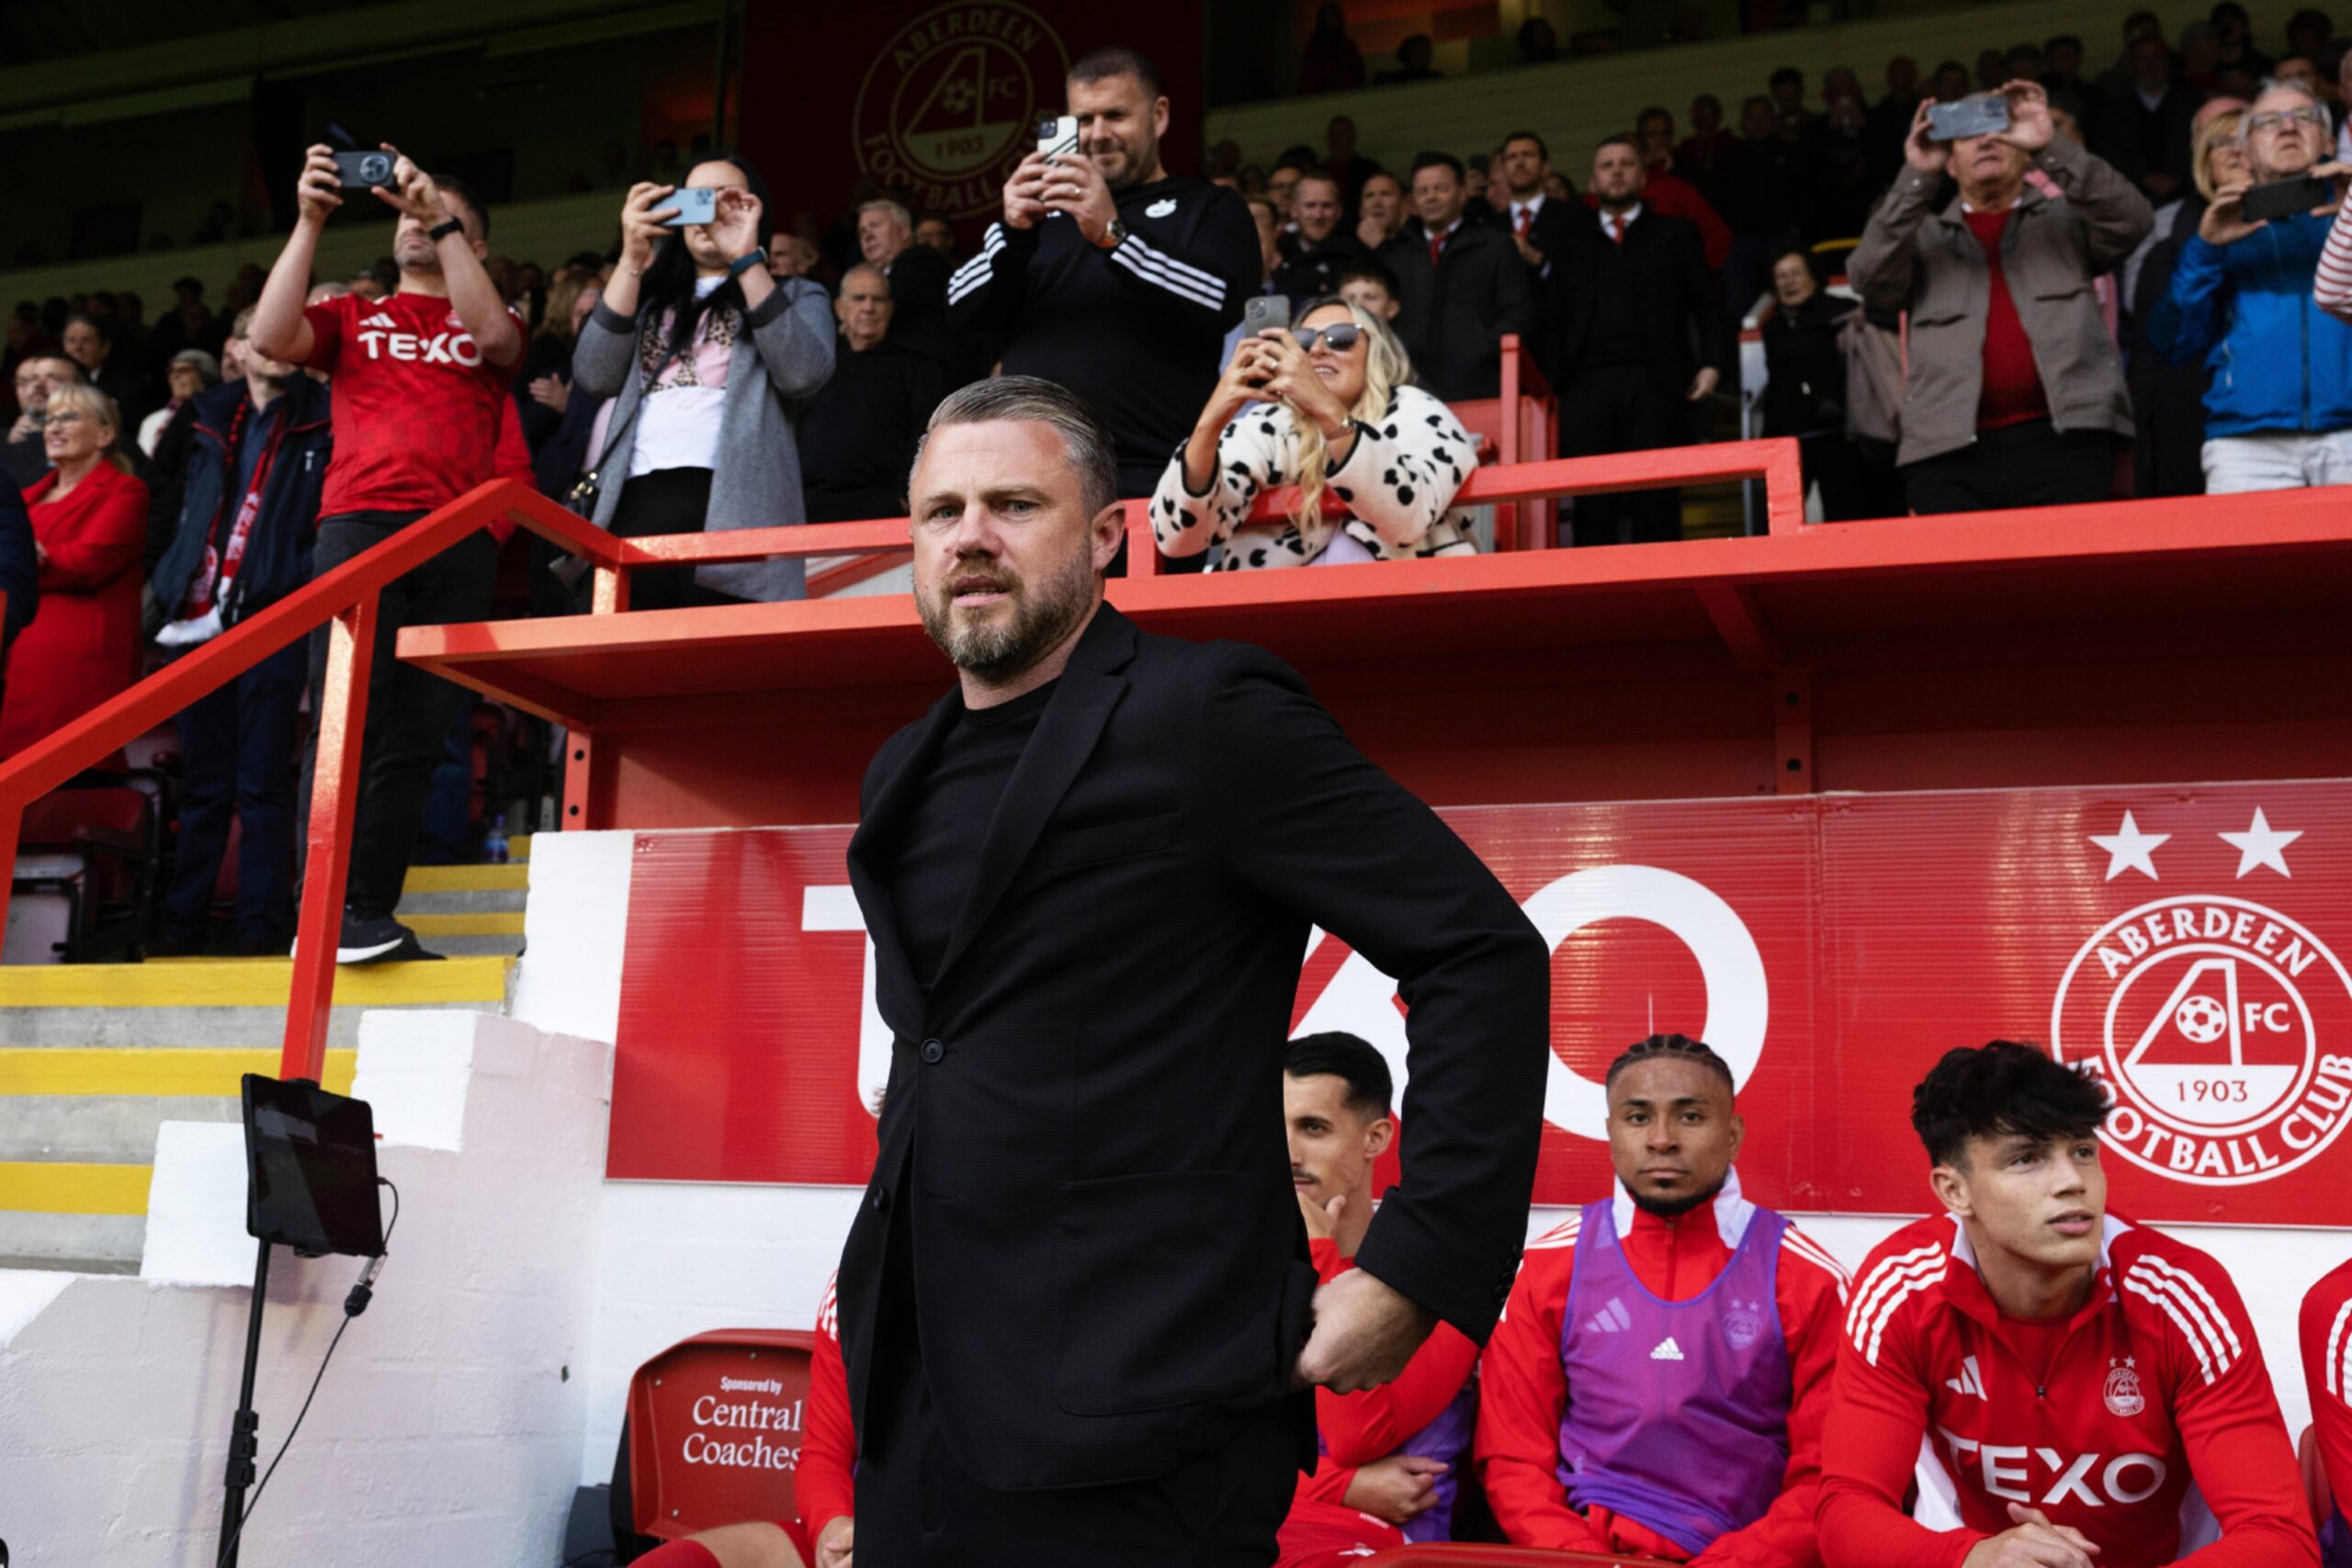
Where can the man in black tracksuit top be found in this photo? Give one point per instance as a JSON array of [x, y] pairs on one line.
[[1109, 277]]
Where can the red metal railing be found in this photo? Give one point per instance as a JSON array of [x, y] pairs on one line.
[[345, 601]]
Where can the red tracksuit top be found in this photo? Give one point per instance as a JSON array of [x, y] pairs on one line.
[[2145, 1421], [2327, 1370], [1523, 1388], [1358, 1428], [822, 1489]]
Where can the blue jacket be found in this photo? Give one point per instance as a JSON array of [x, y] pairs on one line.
[[2280, 362], [19, 571], [277, 552]]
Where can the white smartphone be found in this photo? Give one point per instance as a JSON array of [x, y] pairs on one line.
[[1057, 134]]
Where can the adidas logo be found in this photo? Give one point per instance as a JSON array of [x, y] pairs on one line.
[[1667, 1351], [1611, 1319], [380, 318], [1971, 1383]]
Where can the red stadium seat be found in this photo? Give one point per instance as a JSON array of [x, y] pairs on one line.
[[741, 1392], [97, 842], [1463, 1554], [2315, 1487]]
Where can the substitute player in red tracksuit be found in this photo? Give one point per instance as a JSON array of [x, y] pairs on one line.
[[1387, 1471], [821, 1487], [1674, 1320], [2327, 1372], [2075, 1390]]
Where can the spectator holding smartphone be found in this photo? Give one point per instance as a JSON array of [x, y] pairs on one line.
[[1328, 407], [1108, 274], [697, 343], [2278, 411], [2016, 391], [421, 381]]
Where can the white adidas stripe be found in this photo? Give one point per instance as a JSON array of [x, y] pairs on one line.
[[1147, 268], [1813, 1251], [1884, 1275], [1178, 268], [2140, 1286], [2339, 1354], [1562, 1234], [2213, 1313], [1895, 1303], [977, 271], [2211, 1354]]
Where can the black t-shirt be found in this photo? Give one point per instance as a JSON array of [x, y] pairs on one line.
[[939, 845]]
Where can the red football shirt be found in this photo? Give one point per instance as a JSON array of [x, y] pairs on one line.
[[2150, 1426], [2327, 1370], [825, 1488], [415, 406]]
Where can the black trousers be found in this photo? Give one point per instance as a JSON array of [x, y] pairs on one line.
[[918, 1508], [409, 711], [1618, 408], [2033, 464], [237, 760], [667, 501]]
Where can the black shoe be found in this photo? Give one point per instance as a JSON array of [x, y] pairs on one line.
[[377, 939]]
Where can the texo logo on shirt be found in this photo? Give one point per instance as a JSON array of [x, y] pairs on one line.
[[2016, 1473], [441, 349]]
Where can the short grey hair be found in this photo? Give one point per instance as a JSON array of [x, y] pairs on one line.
[[899, 214], [1010, 399], [2270, 84]]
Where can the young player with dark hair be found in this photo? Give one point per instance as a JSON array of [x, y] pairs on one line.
[[2074, 1389], [2328, 1373], [1386, 1470], [1674, 1319]]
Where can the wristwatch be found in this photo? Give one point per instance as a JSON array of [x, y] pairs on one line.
[[753, 257], [1112, 237], [440, 232]]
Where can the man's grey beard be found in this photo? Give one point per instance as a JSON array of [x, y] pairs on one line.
[[1042, 614]]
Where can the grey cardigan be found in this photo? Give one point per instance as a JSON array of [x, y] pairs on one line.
[[788, 352]]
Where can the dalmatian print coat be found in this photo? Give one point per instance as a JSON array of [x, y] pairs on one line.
[[1398, 484]]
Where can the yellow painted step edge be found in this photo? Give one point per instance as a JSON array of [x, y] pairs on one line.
[[40, 1187], [491, 923], [259, 983], [145, 1071], [468, 878]]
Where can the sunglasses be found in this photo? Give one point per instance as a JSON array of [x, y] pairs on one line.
[[1339, 337]]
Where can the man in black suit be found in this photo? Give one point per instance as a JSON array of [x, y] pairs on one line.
[[1463, 286], [1321, 248], [1638, 343], [917, 275], [1075, 1303], [2144, 126], [1537, 223]]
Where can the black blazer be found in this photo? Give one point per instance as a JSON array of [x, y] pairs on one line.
[[1083, 1123], [1451, 317], [1673, 299]]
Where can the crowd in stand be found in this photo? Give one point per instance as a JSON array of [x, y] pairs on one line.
[[2016, 304]]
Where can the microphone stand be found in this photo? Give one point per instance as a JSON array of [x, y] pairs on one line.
[[244, 1439]]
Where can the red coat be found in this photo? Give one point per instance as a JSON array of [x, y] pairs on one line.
[[83, 645]]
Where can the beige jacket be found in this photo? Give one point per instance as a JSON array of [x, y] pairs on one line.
[[1929, 264]]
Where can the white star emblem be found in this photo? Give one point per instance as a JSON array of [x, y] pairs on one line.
[[2262, 845], [2130, 849]]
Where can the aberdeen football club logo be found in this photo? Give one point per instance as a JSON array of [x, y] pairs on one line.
[[2121, 1391], [2220, 1026], [951, 103]]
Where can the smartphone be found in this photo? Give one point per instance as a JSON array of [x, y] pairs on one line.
[[695, 204], [360, 170], [1264, 311], [1979, 116], [1057, 134], [2284, 198]]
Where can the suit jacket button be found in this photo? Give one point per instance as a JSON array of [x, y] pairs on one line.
[[881, 1198], [932, 1050]]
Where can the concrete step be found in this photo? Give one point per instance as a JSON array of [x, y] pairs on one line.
[[80, 1244]]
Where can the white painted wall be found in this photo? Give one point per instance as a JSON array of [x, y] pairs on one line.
[[447, 1429]]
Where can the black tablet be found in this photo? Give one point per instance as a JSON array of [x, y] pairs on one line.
[[311, 1160]]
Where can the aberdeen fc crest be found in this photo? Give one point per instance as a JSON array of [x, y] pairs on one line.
[[2221, 1026], [2121, 1391], [951, 103]]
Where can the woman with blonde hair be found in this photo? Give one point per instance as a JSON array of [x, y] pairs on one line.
[[89, 518], [1329, 407]]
